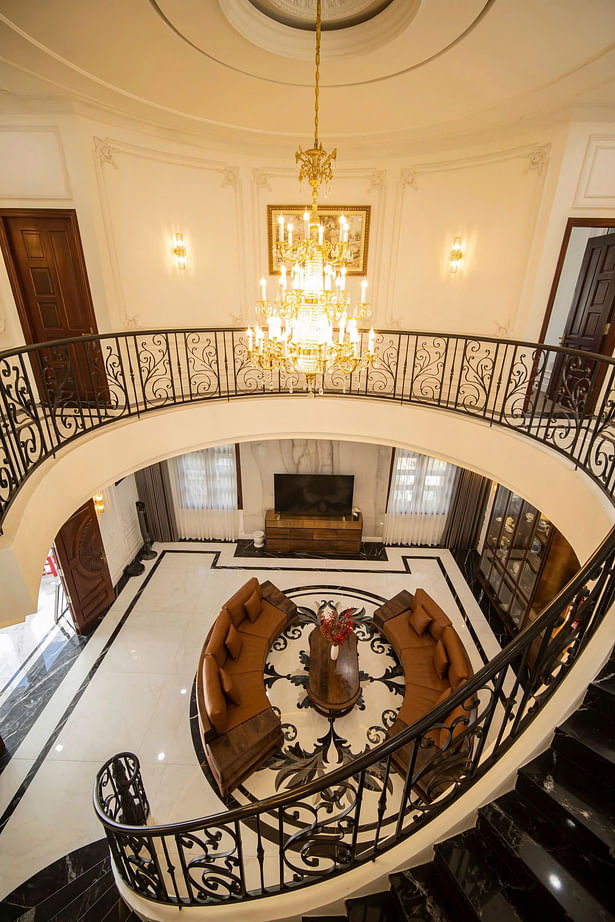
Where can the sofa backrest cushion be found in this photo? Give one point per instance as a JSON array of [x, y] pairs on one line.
[[233, 642], [436, 627], [253, 606], [419, 619], [230, 687], [458, 670], [439, 618], [440, 659], [215, 646], [235, 604], [215, 702]]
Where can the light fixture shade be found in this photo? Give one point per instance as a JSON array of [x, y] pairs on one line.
[[179, 251], [99, 503]]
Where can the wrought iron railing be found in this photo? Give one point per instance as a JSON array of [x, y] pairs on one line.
[[354, 813], [53, 393]]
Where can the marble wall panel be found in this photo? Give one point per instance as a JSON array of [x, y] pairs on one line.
[[368, 463]]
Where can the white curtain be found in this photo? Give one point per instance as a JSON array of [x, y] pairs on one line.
[[204, 489], [419, 501]]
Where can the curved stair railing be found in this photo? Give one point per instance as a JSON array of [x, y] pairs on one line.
[[53, 393], [366, 807]]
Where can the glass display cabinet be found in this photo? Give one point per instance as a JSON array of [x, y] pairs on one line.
[[517, 548]]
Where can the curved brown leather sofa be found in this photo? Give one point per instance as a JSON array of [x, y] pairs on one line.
[[435, 665], [239, 727]]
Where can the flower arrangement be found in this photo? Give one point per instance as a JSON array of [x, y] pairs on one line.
[[336, 626]]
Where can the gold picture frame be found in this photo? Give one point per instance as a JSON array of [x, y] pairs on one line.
[[358, 217]]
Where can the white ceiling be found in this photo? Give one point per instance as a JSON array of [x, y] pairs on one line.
[[418, 70]]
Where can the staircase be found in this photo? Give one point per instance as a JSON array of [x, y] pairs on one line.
[[77, 888], [545, 851]]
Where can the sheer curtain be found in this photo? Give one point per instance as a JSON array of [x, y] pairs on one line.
[[419, 501], [204, 490]]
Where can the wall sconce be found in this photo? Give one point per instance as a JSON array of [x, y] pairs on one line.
[[99, 503], [455, 257], [180, 251]]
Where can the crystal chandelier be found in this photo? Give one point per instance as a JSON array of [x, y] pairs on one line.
[[312, 299]]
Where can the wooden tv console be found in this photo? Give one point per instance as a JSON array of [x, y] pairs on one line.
[[319, 534]]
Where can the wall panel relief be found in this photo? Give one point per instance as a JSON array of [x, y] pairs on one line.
[[596, 187], [370, 465], [33, 164], [146, 196], [492, 200]]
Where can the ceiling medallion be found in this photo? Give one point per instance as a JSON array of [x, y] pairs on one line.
[[336, 14], [312, 298]]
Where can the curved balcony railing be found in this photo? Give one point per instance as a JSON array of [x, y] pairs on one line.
[[53, 393], [352, 814]]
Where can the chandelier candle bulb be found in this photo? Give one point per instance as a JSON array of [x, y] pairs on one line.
[[371, 340], [290, 234], [306, 219], [264, 289], [281, 228], [321, 232], [363, 290]]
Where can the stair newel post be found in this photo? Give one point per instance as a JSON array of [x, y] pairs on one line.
[[357, 815], [382, 801], [407, 785]]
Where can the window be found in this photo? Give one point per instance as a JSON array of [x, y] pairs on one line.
[[206, 479], [420, 484]]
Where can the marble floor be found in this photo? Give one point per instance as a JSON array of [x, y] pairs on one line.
[[130, 687]]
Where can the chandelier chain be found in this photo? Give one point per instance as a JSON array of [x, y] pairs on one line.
[[317, 72]]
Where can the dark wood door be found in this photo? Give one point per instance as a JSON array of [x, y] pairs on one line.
[[44, 258], [590, 324], [81, 555]]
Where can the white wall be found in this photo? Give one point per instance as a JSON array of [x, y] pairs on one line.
[[119, 526], [549, 481], [370, 465], [132, 189]]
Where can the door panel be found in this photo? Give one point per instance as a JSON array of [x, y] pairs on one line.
[[44, 257], [81, 555], [589, 327]]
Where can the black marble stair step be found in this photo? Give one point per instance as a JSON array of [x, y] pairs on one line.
[[591, 872], [376, 907], [107, 901], [545, 886], [48, 890], [415, 892], [573, 798], [606, 678], [596, 738], [120, 912], [473, 881], [79, 906]]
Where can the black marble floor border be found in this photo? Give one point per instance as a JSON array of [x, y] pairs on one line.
[[21, 666], [25, 784]]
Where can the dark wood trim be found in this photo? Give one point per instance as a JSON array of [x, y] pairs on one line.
[[391, 468], [571, 222], [238, 476], [7, 253]]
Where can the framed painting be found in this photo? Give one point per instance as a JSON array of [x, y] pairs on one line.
[[358, 230]]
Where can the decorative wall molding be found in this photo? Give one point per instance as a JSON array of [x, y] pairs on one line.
[[50, 135], [596, 186], [107, 152], [536, 158]]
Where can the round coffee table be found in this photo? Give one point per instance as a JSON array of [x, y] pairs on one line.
[[333, 685]]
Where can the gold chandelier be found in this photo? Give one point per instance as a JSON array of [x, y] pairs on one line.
[[301, 332]]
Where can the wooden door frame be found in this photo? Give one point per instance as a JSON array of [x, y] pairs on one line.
[[570, 224], [5, 247]]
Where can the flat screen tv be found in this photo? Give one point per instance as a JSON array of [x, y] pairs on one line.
[[313, 494]]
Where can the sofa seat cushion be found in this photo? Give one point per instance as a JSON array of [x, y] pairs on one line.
[[417, 701], [268, 624], [399, 633], [215, 645], [235, 604], [252, 659], [419, 670], [252, 698]]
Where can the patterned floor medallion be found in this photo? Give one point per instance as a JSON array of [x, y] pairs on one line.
[[314, 744]]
